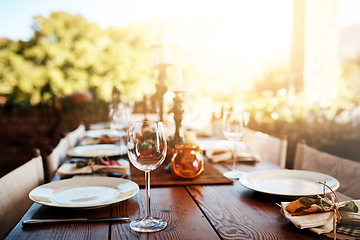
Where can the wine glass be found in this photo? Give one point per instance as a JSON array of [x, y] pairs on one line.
[[146, 149], [234, 123], [119, 116]]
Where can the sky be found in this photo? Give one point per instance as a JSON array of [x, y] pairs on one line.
[[241, 32], [16, 16]]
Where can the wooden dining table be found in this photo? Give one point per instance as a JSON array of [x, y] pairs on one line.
[[192, 211]]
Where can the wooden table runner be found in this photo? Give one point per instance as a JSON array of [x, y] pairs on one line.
[[159, 177]]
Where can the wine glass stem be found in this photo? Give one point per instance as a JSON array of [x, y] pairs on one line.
[[147, 189], [234, 155]]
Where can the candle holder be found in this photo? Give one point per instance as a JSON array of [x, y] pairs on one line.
[[178, 110], [161, 89]]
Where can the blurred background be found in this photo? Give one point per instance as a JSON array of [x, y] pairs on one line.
[[294, 65]]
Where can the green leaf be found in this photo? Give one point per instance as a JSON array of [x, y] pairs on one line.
[[318, 202], [306, 201], [349, 207]]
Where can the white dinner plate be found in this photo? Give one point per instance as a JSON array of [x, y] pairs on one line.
[[84, 192], [95, 150], [101, 132], [100, 125], [294, 183]]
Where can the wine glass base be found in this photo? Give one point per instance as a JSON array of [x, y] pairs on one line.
[[148, 224], [234, 174]]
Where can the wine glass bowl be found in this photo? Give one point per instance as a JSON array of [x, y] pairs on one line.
[[234, 123], [146, 149]]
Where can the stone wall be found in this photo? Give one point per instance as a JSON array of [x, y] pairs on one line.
[[23, 129]]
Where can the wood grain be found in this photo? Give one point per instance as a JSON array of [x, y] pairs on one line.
[[239, 213], [62, 231], [174, 205], [159, 177]]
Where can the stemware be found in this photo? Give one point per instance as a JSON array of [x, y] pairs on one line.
[[119, 116], [146, 148], [234, 122]]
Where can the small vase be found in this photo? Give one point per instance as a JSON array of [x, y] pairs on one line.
[[187, 161]]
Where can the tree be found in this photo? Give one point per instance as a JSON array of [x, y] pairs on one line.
[[67, 54]]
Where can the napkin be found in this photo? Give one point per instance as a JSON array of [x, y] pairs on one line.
[[69, 169], [321, 223], [222, 150]]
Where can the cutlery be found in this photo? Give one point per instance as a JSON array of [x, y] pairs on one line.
[[37, 222]]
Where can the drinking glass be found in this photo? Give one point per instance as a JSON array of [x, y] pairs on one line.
[[234, 122], [119, 116], [146, 148]]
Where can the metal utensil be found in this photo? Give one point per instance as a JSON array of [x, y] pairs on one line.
[[37, 222]]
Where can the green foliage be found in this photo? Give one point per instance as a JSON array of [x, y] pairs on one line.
[[327, 128], [68, 54]]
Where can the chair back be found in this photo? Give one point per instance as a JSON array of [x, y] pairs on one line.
[[75, 136], [54, 158], [14, 190], [268, 147], [346, 171]]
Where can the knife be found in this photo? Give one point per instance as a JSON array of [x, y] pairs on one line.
[[37, 222]]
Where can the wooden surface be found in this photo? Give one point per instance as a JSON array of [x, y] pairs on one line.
[[160, 177], [225, 211]]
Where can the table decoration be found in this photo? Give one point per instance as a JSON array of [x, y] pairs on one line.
[[187, 161], [210, 176], [220, 151], [322, 215], [94, 165]]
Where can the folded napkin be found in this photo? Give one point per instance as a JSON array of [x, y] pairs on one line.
[[222, 150], [321, 223], [69, 169]]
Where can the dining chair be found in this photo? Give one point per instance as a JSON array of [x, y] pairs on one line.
[[75, 136], [268, 147], [346, 171], [14, 189], [54, 157]]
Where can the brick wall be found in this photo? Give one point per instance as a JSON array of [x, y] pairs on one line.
[[22, 129]]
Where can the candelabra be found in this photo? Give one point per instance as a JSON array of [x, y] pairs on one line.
[[161, 89], [178, 110]]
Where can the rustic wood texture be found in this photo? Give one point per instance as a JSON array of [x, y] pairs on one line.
[[219, 211], [174, 205], [159, 177], [239, 213], [62, 231]]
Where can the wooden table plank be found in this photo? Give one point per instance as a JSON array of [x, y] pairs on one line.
[[240, 213], [174, 205], [159, 177], [62, 231]]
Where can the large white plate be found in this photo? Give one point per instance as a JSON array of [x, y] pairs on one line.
[[101, 132], [95, 150], [84, 192], [288, 182], [100, 125]]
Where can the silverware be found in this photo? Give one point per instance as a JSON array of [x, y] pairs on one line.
[[36, 222]]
